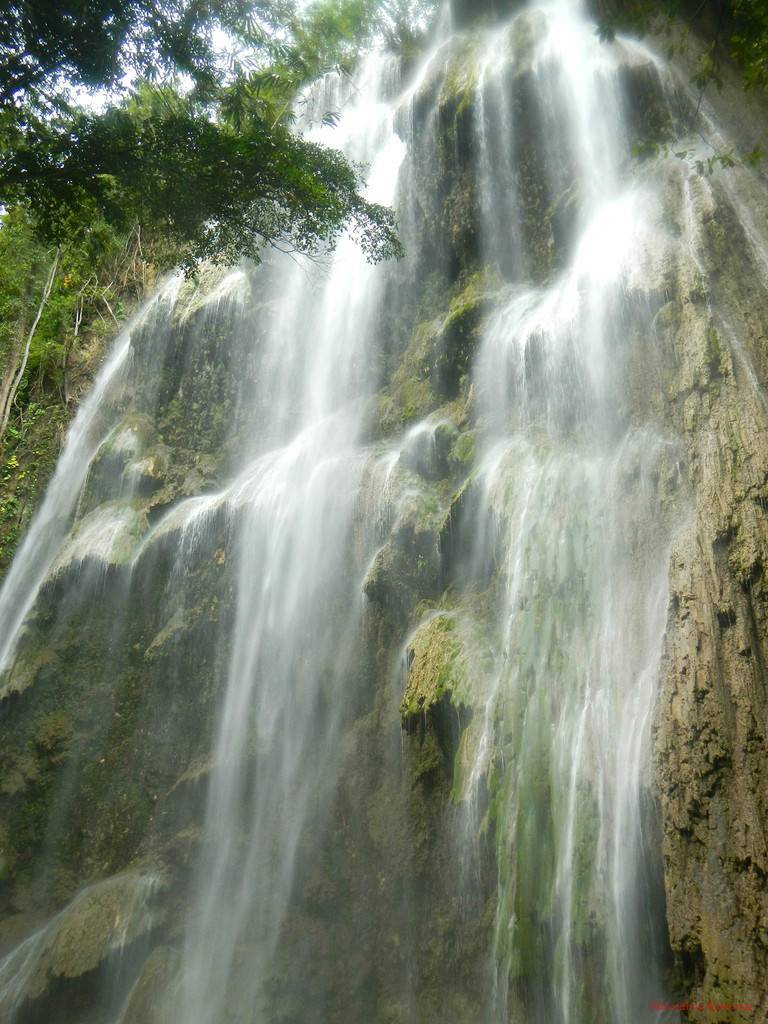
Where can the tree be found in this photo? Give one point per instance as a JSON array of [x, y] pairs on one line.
[[50, 45], [341, 27], [219, 178], [215, 190]]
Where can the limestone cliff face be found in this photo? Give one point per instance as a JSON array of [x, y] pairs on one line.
[[710, 734], [469, 12], [703, 373]]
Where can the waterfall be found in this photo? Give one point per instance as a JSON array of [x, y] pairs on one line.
[[298, 488], [566, 504]]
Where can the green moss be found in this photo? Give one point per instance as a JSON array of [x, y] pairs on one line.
[[29, 452], [464, 449], [717, 358], [459, 83], [438, 668], [435, 667], [436, 363], [429, 758], [26, 666], [53, 732]]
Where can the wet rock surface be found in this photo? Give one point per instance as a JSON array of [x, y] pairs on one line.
[[710, 730]]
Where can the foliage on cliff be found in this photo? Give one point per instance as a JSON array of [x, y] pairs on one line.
[[51, 343], [733, 30], [726, 34]]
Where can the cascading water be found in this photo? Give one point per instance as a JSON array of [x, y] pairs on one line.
[[285, 475], [569, 487], [297, 626]]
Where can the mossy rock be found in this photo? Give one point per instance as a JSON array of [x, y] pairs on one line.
[[100, 921], [435, 367], [463, 451], [23, 671], [435, 668], [108, 536], [211, 283], [427, 447], [166, 642], [404, 571], [454, 538], [146, 1001], [435, 710]]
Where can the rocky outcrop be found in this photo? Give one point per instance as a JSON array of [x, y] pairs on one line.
[[100, 925], [710, 734]]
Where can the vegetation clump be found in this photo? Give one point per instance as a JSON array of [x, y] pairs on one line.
[[435, 667], [732, 32]]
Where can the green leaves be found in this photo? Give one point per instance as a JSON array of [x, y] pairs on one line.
[[708, 68], [734, 30], [47, 46], [212, 165], [705, 165]]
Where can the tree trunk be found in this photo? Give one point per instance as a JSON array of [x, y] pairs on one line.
[[15, 375], [8, 377]]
